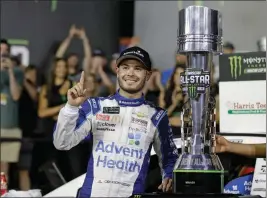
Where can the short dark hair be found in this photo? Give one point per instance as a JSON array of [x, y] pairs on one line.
[[4, 41]]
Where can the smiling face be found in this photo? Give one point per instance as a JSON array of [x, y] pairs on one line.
[[132, 76]]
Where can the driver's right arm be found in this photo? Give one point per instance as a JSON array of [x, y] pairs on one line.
[[73, 126]]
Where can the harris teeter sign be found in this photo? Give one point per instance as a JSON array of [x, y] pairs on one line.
[[242, 96]]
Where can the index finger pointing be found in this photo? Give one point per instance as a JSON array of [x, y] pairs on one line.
[[82, 78]]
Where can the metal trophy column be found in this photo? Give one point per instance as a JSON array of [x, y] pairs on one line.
[[198, 169]]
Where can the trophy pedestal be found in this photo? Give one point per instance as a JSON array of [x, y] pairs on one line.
[[198, 174]]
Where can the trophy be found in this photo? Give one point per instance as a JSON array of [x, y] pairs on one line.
[[198, 169]]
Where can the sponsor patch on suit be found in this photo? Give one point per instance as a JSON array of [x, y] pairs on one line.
[[111, 110]]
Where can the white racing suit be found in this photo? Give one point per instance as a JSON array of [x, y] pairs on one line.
[[123, 132]]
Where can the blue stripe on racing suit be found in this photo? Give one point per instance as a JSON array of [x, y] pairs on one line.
[[139, 185], [163, 144], [86, 189]]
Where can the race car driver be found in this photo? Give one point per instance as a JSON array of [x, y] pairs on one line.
[[249, 150], [123, 128]]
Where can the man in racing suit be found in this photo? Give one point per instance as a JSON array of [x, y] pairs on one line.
[[123, 128]]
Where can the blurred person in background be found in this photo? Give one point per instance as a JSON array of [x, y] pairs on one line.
[[228, 48], [52, 98], [98, 58], [17, 62], [11, 87], [27, 123], [166, 74], [99, 67], [261, 44], [113, 74], [154, 90], [174, 100], [73, 61]]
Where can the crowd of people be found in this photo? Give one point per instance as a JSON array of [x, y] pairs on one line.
[[29, 111]]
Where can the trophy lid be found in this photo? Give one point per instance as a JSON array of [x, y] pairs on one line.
[[199, 30]]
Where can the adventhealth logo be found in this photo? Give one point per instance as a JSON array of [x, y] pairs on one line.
[[105, 158], [235, 66]]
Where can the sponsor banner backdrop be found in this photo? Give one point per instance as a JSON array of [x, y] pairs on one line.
[[243, 66], [243, 107]]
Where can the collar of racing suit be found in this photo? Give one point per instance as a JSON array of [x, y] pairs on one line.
[[129, 101]]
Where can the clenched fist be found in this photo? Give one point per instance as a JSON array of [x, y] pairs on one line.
[[77, 94]]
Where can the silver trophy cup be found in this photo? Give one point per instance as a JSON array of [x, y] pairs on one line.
[[198, 168]]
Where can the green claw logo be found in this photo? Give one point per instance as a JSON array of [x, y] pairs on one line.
[[192, 91], [235, 66]]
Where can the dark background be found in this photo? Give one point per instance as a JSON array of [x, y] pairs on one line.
[[105, 22]]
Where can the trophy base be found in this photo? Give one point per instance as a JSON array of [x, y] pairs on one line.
[[198, 174]]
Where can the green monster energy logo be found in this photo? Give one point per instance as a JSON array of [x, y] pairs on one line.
[[137, 196], [192, 91], [235, 66]]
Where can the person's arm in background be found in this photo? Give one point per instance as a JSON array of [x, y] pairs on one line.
[[43, 109], [161, 88], [87, 50], [248, 150], [65, 44], [15, 79], [30, 83], [165, 148], [31, 89]]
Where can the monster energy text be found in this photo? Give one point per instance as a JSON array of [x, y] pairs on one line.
[[240, 65], [194, 82]]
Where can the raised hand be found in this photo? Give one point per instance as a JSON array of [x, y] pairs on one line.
[[82, 33], [77, 94], [73, 31]]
